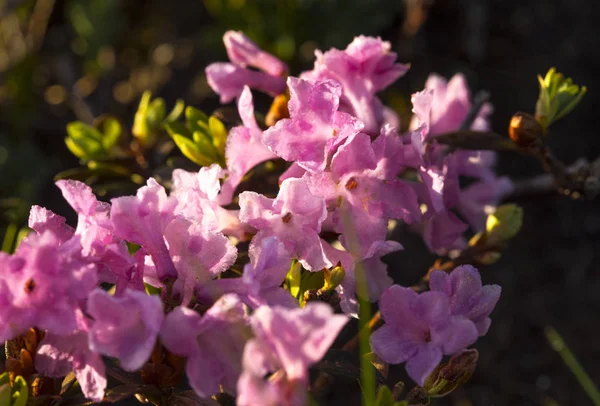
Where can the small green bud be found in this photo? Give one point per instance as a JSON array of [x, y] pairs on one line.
[[504, 223], [445, 378], [334, 277], [558, 97]]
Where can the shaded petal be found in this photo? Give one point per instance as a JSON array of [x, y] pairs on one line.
[[422, 364], [390, 348]]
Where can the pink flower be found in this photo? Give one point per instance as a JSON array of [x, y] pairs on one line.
[[125, 327], [42, 285], [419, 329], [244, 149], [294, 217], [315, 127], [142, 219], [58, 355], [364, 68], [229, 79], [287, 342], [213, 343], [468, 297]]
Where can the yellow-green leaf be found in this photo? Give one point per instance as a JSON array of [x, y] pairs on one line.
[[191, 150], [219, 133], [504, 223]]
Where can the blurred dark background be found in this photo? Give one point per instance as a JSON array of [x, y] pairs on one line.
[[66, 60]]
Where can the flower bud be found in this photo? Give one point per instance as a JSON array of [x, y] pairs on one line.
[[334, 277], [447, 377], [524, 130]]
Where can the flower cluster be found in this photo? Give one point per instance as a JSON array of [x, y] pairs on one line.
[[352, 170]]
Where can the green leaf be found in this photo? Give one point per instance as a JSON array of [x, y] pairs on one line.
[[293, 278], [107, 168], [84, 141], [308, 281], [111, 130], [558, 97], [178, 128], [219, 133], [175, 112], [5, 392], [197, 121], [191, 150], [206, 146], [20, 392], [504, 223], [157, 110], [384, 397]]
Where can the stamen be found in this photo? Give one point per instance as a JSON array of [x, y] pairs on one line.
[[286, 218]]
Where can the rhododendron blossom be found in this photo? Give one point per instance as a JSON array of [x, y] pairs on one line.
[[245, 292]]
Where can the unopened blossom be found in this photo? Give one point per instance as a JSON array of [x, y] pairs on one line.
[[244, 149], [124, 327], [419, 329], [294, 217], [58, 355], [213, 343], [315, 127], [142, 219], [198, 254], [468, 297], [229, 79], [364, 68], [42, 285], [287, 342]]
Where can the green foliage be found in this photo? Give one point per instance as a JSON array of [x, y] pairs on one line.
[[291, 28], [299, 280], [558, 97], [385, 398], [97, 24], [504, 223], [201, 139], [151, 117], [15, 395], [558, 344]]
